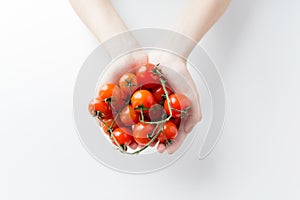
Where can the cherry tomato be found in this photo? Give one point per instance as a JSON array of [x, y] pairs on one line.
[[176, 121], [170, 130], [108, 90], [156, 112], [129, 116], [123, 136], [178, 101], [99, 108], [146, 76], [141, 131], [111, 93], [142, 99], [154, 143], [117, 105], [119, 122], [128, 83], [159, 94], [106, 123]]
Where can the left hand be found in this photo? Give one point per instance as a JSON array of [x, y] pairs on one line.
[[175, 69]]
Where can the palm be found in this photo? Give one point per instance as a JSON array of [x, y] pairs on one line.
[[124, 64], [181, 81], [178, 77]]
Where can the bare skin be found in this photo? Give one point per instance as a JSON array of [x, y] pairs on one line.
[[193, 22]]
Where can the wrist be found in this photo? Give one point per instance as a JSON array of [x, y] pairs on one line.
[[176, 43], [166, 58], [139, 57], [120, 44]]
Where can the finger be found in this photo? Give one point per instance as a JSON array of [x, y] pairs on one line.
[[133, 145], [161, 148], [192, 119], [114, 72], [139, 58], [176, 76], [191, 122], [177, 142], [153, 144], [124, 64], [194, 115]]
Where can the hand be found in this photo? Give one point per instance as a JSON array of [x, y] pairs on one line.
[[194, 21], [122, 65], [181, 81], [174, 68]]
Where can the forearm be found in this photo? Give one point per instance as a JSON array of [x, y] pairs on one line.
[[100, 17], [197, 18], [104, 22]]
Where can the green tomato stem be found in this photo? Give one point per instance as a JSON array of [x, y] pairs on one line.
[[150, 142], [160, 123]]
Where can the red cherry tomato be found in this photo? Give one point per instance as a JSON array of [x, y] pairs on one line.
[[159, 94], [142, 99], [129, 116], [156, 112], [141, 131], [178, 101], [117, 105], [119, 122], [176, 121], [123, 136], [106, 123], [146, 76], [170, 130], [128, 84], [99, 108]]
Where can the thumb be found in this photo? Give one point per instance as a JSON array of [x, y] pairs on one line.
[[192, 119], [177, 142]]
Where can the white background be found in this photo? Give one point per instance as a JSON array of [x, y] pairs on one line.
[[256, 47]]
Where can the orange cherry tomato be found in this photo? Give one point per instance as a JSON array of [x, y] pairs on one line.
[[111, 94], [123, 136], [128, 84], [106, 123], [142, 99]]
